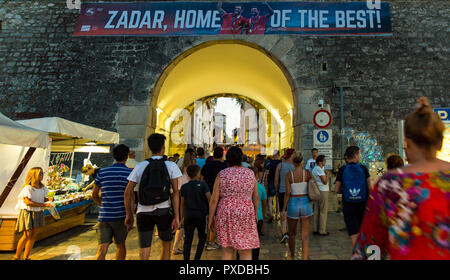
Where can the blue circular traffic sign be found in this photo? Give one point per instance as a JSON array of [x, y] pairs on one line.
[[322, 136]]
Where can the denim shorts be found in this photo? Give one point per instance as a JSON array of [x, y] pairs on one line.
[[299, 207]]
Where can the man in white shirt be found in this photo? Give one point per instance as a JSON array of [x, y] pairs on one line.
[[311, 163], [159, 214], [321, 207]]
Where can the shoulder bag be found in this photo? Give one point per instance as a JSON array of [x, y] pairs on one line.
[[313, 190]]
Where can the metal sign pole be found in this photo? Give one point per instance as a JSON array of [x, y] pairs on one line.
[[341, 95], [71, 165]]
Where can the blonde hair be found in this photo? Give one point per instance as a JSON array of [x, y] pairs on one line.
[[188, 160], [32, 178], [86, 168], [425, 127], [297, 157]]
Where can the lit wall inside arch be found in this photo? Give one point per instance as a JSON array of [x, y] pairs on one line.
[[225, 67]]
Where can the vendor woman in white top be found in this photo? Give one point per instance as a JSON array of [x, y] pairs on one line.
[[32, 201], [89, 170]]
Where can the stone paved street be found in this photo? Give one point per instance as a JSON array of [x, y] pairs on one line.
[[60, 247]]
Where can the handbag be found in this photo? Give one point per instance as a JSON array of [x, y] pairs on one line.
[[313, 190]]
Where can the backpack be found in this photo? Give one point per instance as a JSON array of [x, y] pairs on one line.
[[354, 189], [155, 183]]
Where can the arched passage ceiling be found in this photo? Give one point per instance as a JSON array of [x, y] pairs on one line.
[[226, 68]]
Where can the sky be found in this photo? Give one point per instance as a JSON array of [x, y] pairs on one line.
[[228, 107]]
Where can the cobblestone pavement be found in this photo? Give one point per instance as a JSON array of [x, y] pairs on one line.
[[83, 239]]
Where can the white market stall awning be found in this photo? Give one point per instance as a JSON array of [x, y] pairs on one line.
[[21, 148], [65, 133], [15, 133]]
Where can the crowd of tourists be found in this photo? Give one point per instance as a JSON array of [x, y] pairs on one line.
[[228, 197]]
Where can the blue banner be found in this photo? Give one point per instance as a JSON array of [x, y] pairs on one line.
[[245, 18]]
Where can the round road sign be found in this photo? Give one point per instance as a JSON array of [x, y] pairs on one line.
[[322, 119]]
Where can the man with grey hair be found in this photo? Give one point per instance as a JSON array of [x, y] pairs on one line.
[[132, 162]]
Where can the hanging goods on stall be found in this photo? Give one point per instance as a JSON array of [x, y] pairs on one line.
[[58, 158], [155, 184]]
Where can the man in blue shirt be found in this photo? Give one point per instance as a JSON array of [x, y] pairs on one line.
[[112, 181], [353, 178]]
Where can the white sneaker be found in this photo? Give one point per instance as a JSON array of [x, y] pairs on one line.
[[212, 246]]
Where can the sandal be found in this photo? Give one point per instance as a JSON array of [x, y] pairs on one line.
[[177, 252]]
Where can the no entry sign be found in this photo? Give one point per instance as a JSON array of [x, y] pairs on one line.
[[322, 119]]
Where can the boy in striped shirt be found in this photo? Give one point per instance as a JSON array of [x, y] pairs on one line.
[[111, 182]]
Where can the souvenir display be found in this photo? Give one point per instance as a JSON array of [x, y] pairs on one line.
[[62, 191]]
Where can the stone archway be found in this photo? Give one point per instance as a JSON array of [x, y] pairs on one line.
[[229, 66], [137, 119]]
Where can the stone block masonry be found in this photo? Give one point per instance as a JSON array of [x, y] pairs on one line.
[[46, 71]]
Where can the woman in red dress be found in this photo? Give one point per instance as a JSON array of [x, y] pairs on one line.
[[408, 212], [234, 189]]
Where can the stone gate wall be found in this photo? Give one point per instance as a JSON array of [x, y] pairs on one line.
[[107, 82]]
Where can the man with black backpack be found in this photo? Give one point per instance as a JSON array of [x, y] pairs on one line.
[[158, 189], [353, 182]]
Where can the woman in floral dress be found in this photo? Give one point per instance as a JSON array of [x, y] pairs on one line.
[[408, 213], [234, 189]]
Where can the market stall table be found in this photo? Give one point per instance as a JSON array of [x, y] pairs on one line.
[[70, 202]]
